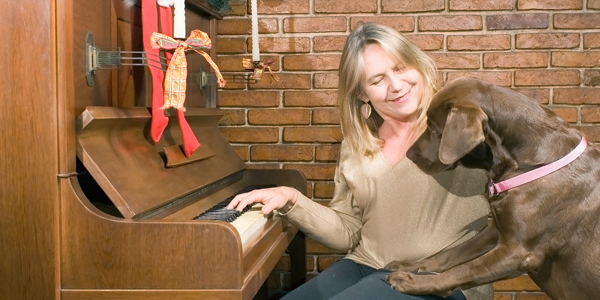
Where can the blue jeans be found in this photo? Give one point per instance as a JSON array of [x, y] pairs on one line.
[[347, 280]]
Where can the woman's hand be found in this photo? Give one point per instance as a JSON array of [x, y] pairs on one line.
[[280, 198]]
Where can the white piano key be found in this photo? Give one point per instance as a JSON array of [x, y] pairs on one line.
[[250, 222]]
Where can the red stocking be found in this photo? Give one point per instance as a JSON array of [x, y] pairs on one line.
[[150, 25], [190, 142], [159, 120]]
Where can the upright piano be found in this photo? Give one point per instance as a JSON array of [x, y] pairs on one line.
[[131, 228], [130, 211]]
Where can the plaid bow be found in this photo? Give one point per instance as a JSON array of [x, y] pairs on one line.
[[175, 78]]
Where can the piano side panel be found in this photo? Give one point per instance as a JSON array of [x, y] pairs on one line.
[[291, 178], [28, 153], [258, 267], [102, 252], [294, 239]]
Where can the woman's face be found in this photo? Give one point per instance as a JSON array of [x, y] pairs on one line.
[[394, 90]]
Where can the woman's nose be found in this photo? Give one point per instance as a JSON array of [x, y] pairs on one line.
[[396, 83]]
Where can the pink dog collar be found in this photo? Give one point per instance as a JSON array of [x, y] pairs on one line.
[[496, 188]]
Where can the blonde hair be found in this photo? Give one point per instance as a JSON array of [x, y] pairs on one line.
[[362, 134]]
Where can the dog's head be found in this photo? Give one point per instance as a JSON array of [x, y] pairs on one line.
[[455, 130]]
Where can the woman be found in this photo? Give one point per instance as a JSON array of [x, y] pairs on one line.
[[384, 208]]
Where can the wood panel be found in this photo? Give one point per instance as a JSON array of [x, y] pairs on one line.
[[28, 152], [104, 252], [95, 17], [198, 96]]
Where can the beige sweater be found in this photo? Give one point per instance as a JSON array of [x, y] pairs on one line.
[[380, 213]]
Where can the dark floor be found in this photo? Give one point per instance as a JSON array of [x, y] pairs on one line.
[[277, 295]]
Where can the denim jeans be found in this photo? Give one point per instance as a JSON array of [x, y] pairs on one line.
[[347, 280]]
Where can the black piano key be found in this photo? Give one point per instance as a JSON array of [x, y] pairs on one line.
[[220, 212], [224, 215]]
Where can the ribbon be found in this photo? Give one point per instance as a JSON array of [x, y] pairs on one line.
[[175, 78], [257, 70]]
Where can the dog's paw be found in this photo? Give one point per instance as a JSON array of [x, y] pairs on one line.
[[402, 281], [416, 284], [402, 266]]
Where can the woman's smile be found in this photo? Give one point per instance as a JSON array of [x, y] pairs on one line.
[[402, 98]]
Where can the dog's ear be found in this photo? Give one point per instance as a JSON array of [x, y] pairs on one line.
[[463, 132]]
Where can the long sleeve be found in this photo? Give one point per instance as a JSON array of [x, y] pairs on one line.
[[336, 226]]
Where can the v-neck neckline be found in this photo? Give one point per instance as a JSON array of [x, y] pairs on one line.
[[387, 162]]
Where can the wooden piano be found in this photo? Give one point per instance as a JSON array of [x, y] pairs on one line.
[[100, 211], [129, 230]]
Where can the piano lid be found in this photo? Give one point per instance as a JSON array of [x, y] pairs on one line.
[[139, 176]]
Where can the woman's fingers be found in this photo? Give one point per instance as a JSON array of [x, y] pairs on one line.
[[271, 198], [240, 201], [236, 202]]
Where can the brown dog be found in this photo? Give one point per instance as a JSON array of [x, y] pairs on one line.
[[548, 228]]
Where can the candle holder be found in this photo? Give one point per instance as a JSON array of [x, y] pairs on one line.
[[258, 68]]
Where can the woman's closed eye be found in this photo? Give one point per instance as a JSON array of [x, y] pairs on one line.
[[377, 80]]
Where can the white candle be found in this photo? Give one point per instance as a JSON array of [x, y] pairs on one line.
[[255, 50], [179, 20]]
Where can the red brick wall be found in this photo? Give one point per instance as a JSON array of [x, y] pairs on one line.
[[548, 49]]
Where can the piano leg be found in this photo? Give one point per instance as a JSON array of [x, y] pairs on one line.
[[297, 251]]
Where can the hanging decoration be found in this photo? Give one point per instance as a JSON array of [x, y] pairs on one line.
[[176, 75], [259, 68], [175, 79]]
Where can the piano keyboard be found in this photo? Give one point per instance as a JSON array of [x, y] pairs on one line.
[[247, 222]]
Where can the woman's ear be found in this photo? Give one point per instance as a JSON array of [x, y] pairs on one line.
[[363, 98]]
